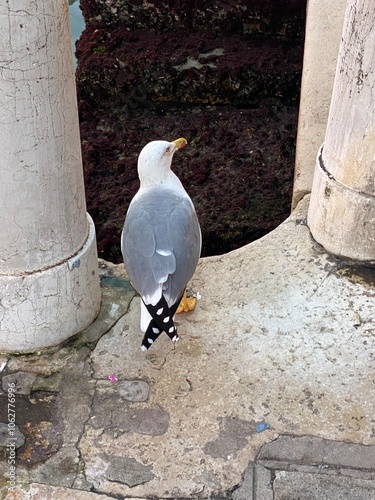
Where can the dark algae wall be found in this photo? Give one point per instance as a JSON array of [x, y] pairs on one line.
[[225, 75]]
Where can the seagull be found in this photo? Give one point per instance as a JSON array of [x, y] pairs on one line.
[[161, 240]]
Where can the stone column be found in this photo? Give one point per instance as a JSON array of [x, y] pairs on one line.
[[342, 208], [324, 21], [49, 285]]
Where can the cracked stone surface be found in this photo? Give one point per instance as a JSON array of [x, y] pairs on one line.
[[245, 491], [128, 471], [134, 390], [311, 450], [18, 437], [111, 413], [293, 485], [23, 382], [275, 339]]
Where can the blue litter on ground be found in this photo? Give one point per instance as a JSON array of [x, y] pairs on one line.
[[262, 427]]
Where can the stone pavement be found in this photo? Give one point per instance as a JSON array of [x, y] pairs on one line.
[[269, 395]]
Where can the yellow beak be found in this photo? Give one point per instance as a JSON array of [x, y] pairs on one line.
[[180, 143]]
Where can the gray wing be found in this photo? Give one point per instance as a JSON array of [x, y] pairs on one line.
[[161, 242]]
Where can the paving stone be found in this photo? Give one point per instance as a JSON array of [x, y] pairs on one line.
[[302, 486], [149, 421], [129, 471], [262, 483], [314, 450], [111, 412], [5, 438], [59, 470], [115, 303], [23, 382], [75, 394], [43, 364], [245, 491], [232, 437], [37, 491], [134, 390]]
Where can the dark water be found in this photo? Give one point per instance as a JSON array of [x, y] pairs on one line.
[[77, 23]]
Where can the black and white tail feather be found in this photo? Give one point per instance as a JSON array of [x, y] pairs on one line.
[[162, 321]]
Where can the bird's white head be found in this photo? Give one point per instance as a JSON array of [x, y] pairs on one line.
[[154, 161]]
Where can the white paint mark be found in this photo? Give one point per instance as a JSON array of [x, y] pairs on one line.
[[114, 309]]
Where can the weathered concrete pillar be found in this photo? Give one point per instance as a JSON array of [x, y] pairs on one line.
[[49, 286], [342, 208], [324, 22]]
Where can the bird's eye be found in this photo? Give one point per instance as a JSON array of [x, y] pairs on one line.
[[168, 149]]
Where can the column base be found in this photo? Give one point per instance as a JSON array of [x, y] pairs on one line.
[[340, 219], [46, 307]]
